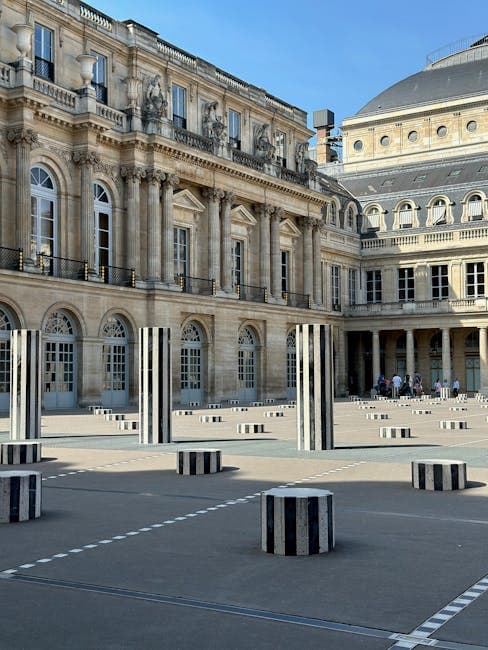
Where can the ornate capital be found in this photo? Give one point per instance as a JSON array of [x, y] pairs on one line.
[[172, 180], [228, 197], [213, 193], [155, 176], [22, 136], [308, 222], [133, 174], [279, 213], [86, 158]]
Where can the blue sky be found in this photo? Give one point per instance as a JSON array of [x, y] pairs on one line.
[[313, 54]]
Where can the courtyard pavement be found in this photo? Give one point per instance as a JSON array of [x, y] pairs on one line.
[[128, 554]]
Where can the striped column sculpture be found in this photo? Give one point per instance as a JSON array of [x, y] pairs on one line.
[[155, 391], [20, 452], [297, 521], [198, 461], [315, 387], [439, 474], [20, 496], [25, 384]]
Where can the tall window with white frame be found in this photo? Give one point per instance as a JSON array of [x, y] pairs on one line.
[[332, 210], [99, 81], [181, 253], [475, 207], [353, 275], [43, 52], [373, 286], [405, 216], [285, 272], [335, 277], [179, 106], [406, 285], [280, 147], [234, 129], [103, 231], [439, 212], [439, 282], [237, 262], [475, 279], [350, 218], [43, 216]]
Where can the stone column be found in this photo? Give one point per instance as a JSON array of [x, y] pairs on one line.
[[133, 176], [25, 384], [483, 360], [265, 212], [410, 354], [154, 179], [342, 383], [308, 281], [155, 385], [86, 160], [317, 259], [226, 242], [24, 139], [213, 195], [315, 387], [168, 229], [446, 356], [376, 355], [276, 253]]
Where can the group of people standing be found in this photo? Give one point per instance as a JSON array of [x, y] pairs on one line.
[[396, 386]]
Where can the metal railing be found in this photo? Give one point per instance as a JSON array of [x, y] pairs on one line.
[[300, 300], [117, 275], [62, 267], [252, 293], [198, 286], [11, 258]]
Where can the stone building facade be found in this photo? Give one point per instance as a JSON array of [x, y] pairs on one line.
[[143, 186], [416, 159]]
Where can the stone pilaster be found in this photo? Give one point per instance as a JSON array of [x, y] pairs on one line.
[[265, 212], [308, 283], [276, 253], [154, 179], [446, 356], [226, 242], [483, 359], [86, 160], [169, 184], [376, 355], [410, 354], [23, 139], [133, 176], [213, 195], [317, 255]]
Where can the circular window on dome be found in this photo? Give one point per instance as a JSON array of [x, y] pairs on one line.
[[358, 145], [471, 126], [413, 136], [385, 141], [442, 131]]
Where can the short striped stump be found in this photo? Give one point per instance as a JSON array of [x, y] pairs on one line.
[[191, 462], [403, 404], [287, 406], [128, 425], [182, 412], [92, 407], [366, 407], [215, 405], [269, 400], [194, 404], [394, 432], [273, 414], [20, 496], [18, 452], [404, 397], [239, 409], [458, 408], [234, 402], [297, 521], [210, 418], [292, 402], [114, 417], [250, 427], [354, 398], [257, 403], [377, 416], [453, 424], [380, 398], [421, 411], [438, 474], [102, 411]]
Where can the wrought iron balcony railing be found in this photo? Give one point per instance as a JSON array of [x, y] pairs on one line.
[[251, 293], [11, 258], [62, 267], [300, 300], [118, 275], [199, 286]]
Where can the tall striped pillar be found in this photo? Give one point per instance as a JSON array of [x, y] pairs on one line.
[[25, 384], [315, 387], [155, 392]]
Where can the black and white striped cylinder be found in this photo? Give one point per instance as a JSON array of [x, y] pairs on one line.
[[421, 411], [128, 425], [239, 409], [198, 461], [273, 414], [458, 408], [395, 432], [234, 402], [250, 427], [315, 387], [194, 404], [257, 404], [18, 452], [183, 412], [210, 418], [215, 405], [439, 474], [453, 424], [101, 411], [114, 417], [269, 400], [25, 384], [20, 496], [377, 416], [297, 521], [155, 389]]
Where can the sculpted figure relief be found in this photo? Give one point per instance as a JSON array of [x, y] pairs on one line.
[[301, 150], [154, 101], [262, 143], [213, 125]]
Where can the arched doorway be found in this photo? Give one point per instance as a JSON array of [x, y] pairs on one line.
[[43, 216], [291, 365], [472, 361], [247, 365], [115, 363], [59, 384], [6, 326], [192, 364]]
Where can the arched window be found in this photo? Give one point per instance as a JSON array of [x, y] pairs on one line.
[[103, 229], [350, 218], [439, 212], [6, 326], [43, 214], [247, 364], [192, 367], [372, 219], [114, 363], [475, 207], [59, 362], [332, 214], [405, 214]]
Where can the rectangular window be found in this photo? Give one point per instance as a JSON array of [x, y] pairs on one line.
[[373, 286], [43, 53], [181, 252], [353, 274], [285, 271], [439, 282], [475, 209], [99, 81], [235, 129], [237, 262], [475, 279], [179, 106], [406, 285], [280, 147], [335, 278], [406, 218]]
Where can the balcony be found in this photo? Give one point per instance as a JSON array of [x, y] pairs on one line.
[[62, 267], [300, 300], [118, 276], [458, 306], [197, 286], [193, 139], [251, 293]]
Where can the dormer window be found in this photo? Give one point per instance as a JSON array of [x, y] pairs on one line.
[[406, 216], [439, 209], [475, 208]]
